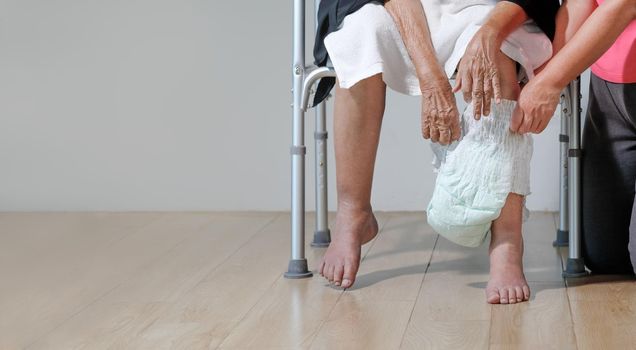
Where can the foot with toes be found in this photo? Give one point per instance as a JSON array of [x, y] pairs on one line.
[[341, 261], [507, 284]]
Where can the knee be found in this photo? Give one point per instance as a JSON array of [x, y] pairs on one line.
[[371, 20], [507, 69]]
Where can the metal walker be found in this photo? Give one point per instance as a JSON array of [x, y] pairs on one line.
[[303, 79]]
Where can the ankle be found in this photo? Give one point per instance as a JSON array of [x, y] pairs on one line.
[[512, 240], [354, 207]]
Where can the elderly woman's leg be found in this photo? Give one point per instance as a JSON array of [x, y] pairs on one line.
[[357, 122], [507, 282]]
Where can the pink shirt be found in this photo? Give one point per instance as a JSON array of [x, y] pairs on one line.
[[618, 64]]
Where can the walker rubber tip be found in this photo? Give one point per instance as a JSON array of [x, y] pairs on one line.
[[298, 269]]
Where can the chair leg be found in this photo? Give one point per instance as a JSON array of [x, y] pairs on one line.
[[322, 235], [298, 263], [562, 232], [575, 266]]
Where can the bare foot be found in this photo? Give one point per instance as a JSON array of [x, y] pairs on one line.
[[353, 228], [507, 283]]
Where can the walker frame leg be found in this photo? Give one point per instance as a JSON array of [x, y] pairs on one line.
[[562, 232], [575, 266], [298, 263], [322, 235]]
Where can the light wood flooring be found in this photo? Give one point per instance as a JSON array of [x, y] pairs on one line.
[[214, 281]]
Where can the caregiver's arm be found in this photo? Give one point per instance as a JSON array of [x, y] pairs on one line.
[[540, 97], [477, 75], [440, 118], [571, 16]]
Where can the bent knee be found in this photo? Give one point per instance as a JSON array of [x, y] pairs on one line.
[[507, 69]]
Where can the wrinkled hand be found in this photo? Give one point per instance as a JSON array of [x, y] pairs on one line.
[[477, 75], [440, 118], [536, 105]]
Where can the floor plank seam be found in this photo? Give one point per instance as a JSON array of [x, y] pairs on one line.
[[89, 304], [567, 294], [248, 311], [221, 263], [72, 316], [258, 231], [142, 267], [430, 259], [141, 228]]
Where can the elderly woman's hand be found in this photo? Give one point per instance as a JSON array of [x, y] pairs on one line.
[[477, 75], [440, 118]]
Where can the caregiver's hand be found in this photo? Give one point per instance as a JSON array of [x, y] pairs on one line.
[[536, 105], [477, 75], [440, 118]]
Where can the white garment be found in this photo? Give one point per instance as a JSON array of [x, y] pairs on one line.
[[369, 42], [478, 174]]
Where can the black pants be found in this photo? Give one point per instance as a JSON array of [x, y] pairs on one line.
[[609, 177]]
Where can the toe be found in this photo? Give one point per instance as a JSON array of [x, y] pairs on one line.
[[337, 274], [350, 270], [519, 294], [492, 296], [329, 272], [512, 295], [321, 267], [503, 296], [526, 292]]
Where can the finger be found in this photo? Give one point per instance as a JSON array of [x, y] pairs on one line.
[[496, 87], [321, 267], [426, 127], [458, 84], [467, 85], [478, 92], [434, 132], [535, 125], [477, 104], [456, 131], [540, 127], [517, 118], [527, 124], [444, 136], [487, 97], [425, 120]]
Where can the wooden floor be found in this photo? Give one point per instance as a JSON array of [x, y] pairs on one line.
[[214, 281]]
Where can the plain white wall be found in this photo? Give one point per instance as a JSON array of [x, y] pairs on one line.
[[178, 105]]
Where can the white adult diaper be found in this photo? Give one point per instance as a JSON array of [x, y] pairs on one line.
[[477, 175]]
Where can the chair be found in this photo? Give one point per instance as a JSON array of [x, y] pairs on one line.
[[304, 77]]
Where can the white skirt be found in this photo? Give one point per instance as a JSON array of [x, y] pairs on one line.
[[369, 42]]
